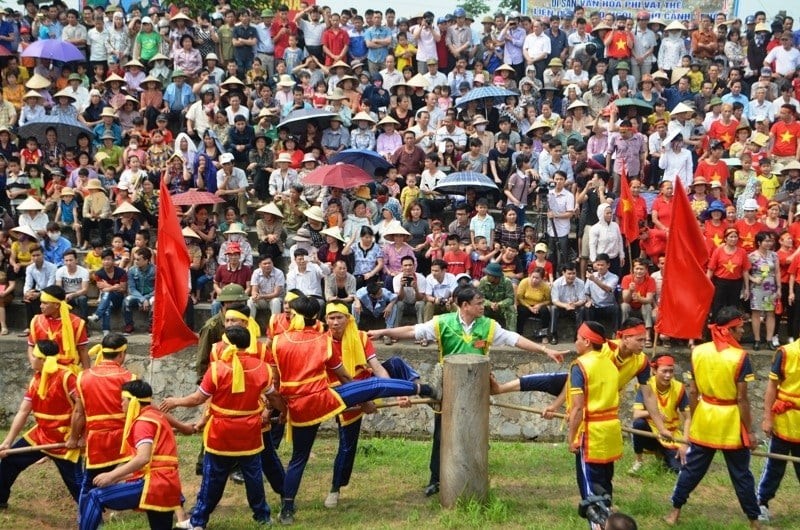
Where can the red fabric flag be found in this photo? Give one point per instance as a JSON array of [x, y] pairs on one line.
[[170, 333], [687, 291], [626, 215]]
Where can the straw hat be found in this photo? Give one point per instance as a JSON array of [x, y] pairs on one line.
[[158, 57], [125, 207], [335, 232], [64, 94], [232, 80], [188, 232], [26, 230], [660, 74], [419, 82], [555, 61], [108, 111], [680, 108], [677, 73], [284, 157], [479, 120], [338, 64], [67, 191], [346, 78], [760, 139], [134, 62], [336, 95], [699, 181], [271, 208], [151, 79], [303, 235], [286, 81], [315, 213], [508, 68], [180, 16], [132, 100], [794, 164], [396, 229], [30, 204], [675, 25], [31, 94], [388, 120], [114, 77], [96, 185], [309, 157], [363, 192], [761, 26], [538, 124], [37, 82], [577, 104], [235, 228], [601, 26], [363, 116]]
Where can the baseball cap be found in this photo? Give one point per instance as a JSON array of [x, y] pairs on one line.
[[459, 12], [226, 158]]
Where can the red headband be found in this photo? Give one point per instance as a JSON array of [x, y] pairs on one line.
[[630, 332], [721, 334], [664, 360], [592, 336]]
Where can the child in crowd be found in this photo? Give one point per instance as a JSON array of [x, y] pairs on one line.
[[482, 224], [458, 260], [410, 194], [435, 240]]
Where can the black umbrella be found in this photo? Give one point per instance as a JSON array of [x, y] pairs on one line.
[[67, 129], [297, 119]]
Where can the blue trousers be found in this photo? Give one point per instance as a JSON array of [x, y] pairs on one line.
[[303, 437], [552, 383], [121, 496], [87, 485], [593, 479], [216, 469], [349, 434], [642, 444], [108, 301], [12, 466], [774, 469], [271, 464], [738, 461]]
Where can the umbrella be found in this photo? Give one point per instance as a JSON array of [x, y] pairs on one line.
[[192, 197], [642, 108], [367, 160], [57, 50], [297, 119], [67, 129], [496, 94], [344, 176], [458, 183]]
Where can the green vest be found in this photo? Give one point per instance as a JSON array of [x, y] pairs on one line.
[[452, 340]]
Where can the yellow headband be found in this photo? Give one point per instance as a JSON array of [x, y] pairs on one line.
[[290, 296], [252, 327], [68, 346], [98, 350], [134, 408], [353, 354], [49, 367], [297, 322]]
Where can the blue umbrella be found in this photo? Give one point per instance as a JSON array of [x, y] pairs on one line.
[[57, 50], [496, 94], [367, 160], [67, 129], [458, 183]]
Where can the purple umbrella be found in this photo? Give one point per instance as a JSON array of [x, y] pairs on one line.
[[56, 50]]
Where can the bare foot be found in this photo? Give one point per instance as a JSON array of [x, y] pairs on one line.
[[672, 518]]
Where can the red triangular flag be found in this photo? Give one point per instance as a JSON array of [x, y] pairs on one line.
[[626, 215], [170, 333], [687, 292]]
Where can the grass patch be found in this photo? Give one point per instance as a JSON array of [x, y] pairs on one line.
[[532, 486]]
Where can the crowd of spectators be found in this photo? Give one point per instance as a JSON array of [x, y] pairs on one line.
[[196, 100]]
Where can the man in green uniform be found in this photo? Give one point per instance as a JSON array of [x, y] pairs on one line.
[[466, 331], [498, 295]]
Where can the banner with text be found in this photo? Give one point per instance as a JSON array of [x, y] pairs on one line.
[[667, 10]]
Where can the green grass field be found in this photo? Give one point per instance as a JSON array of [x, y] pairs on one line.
[[532, 487]]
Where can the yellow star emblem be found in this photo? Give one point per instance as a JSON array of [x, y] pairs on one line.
[[621, 44], [716, 177], [726, 138], [626, 205], [747, 240], [717, 241], [729, 266], [786, 137]]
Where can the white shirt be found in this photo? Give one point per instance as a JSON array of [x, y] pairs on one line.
[[390, 79], [71, 282], [408, 292], [437, 79], [441, 289], [238, 179], [776, 105], [309, 282], [786, 61], [677, 165], [97, 40], [502, 337], [536, 45], [560, 202]]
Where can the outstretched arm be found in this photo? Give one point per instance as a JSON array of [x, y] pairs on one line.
[[192, 400]]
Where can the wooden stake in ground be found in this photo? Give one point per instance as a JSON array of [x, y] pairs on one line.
[[464, 452]]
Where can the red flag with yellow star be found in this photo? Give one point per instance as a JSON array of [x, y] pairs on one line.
[[687, 292], [626, 215]]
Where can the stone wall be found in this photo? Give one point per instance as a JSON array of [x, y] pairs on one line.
[[175, 375]]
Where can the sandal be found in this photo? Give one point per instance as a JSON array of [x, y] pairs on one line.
[[423, 343]]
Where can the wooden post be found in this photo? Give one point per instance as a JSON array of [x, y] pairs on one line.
[[464, 451]]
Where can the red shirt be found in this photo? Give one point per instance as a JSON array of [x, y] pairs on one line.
[[664, 210], [786, 135], [548, 268], [282, 42], [617, 47], [724, 133], [643, 288], [655, 244], [747, 233], [728, 266], [785, 263], [458, 262], [713, 172], [716, 234], [335, 41]]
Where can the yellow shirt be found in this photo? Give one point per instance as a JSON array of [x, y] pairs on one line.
[[402, 62], [92, 261], [769, 185], [407, 198], [531, 295]]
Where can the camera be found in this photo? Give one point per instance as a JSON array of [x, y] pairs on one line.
[[543, 189], [428, 18], [407, 281], [596, 509]]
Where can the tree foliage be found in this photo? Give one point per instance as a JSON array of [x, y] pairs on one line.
[[509, 5], [207, 6], [474, 7]]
